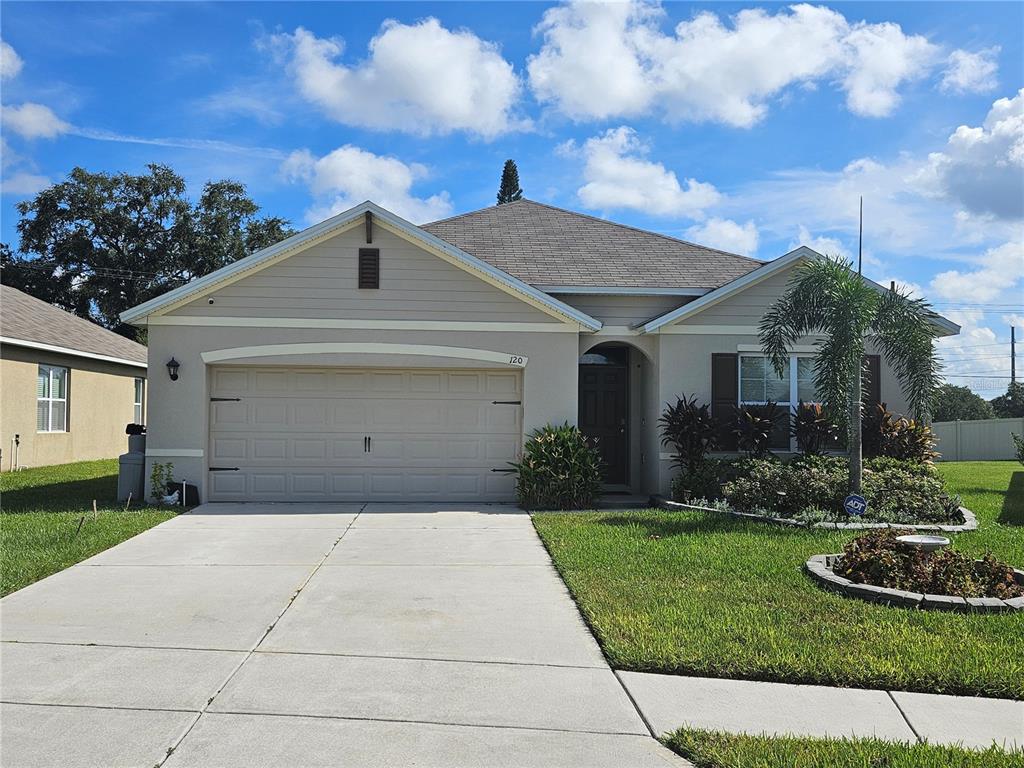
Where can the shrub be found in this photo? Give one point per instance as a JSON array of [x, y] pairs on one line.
[[1018, 446], [885, 434], [812, 488], [813, 429], [877, 558], [703, 481], [691, 430], [560, 469], [755, 428]]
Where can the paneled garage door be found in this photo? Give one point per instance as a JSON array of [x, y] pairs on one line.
[[341, 434]]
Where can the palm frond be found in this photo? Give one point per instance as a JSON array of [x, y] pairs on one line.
[[904, 332]]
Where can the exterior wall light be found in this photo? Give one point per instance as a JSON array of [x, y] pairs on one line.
[[172, 368]]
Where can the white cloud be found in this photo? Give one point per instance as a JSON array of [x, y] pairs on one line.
[[606, 60], [879, 58], [726, 235], [968, 72], [33, 121], [982, 167], [1000, 269], [828, 246], [248, 102], [10, 61], [420, 78], [23, 183], [617, 176], [969, 356], [349, 175]]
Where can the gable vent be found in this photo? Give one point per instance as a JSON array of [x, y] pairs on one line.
[[369, 268]]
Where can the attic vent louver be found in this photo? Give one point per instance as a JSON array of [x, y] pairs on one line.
[[369, 268]]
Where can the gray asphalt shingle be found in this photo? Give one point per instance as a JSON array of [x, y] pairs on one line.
[[544, 246], [27, 318]]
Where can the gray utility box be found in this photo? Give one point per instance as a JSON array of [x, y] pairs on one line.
[[131, 474]]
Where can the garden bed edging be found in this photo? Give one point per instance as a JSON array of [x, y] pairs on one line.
[[970, 522], [820, 569]]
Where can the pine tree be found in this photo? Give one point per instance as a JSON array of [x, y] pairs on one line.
[[510, 191]]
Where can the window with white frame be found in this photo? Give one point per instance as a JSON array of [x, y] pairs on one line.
[[140, 400], [52, 399], [760, 384]]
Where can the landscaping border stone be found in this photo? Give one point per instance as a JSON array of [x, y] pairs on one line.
[[970, 521], [820, 568]]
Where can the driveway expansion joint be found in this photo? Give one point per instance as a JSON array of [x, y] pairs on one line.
[[235, 671]]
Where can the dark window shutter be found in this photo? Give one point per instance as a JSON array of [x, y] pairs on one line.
[[725, 395], [872, 382], [369, 268]]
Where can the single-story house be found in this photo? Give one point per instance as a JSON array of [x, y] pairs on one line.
[[367, 358], [68, 387]]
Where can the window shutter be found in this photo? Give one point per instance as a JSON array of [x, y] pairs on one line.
[[725, 395], [872, 382], [369, 268]]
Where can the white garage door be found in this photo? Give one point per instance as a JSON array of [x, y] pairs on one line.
[[341, 434]]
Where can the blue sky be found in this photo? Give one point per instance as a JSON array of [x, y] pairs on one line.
[[750, 127]]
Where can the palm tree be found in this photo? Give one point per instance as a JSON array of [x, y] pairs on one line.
[[826, 297]]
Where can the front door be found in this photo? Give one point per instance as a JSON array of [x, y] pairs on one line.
[[604, 414]]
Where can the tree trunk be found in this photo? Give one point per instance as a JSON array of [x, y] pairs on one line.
[[856, 450]]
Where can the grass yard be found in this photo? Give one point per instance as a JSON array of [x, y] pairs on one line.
[[41, 510], [713, 749], [706, 595]]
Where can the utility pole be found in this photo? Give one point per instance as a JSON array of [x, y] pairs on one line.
[[1013, 355]]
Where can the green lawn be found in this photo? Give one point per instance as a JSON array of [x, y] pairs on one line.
[[713, 749], [702, 594], [41, 510]]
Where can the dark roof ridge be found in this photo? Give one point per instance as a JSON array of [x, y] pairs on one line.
[[602, 221]]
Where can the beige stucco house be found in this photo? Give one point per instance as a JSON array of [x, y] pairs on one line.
[[366, 358], [68, 387]]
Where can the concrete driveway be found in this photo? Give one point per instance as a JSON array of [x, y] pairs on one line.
[[313, 635]]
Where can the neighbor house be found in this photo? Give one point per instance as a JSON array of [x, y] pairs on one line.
[[68, 387], [368, 358]]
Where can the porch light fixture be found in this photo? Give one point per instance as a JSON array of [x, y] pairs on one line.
[[172, 369]]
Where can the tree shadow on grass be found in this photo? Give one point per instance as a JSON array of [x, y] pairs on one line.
[[1012, 512], [71, 495]]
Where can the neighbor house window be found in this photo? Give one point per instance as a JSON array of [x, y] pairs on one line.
[[140, 395], [52, 399]]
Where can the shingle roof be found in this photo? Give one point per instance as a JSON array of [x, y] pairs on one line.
[[547, 246], [26, 318]]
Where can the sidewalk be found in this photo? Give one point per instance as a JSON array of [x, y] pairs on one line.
[[668, 702]]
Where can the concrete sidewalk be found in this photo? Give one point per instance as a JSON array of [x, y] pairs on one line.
[[745, 706], [313, 635]]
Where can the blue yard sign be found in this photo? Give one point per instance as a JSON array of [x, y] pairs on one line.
[[855, 505]]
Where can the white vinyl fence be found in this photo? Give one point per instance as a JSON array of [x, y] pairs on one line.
[[984, 440]]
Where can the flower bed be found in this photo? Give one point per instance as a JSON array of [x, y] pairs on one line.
[[878, 567], [809, 490]]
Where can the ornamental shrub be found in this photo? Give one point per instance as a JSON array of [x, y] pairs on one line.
[[886, 434], [560, 469], [690, 430], [808, 486], [877, 558]]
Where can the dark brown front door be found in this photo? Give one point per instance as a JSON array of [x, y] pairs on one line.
[[604, 414]]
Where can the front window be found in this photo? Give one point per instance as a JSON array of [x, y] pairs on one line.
[[140, 395], [760, 384], [52, 399]]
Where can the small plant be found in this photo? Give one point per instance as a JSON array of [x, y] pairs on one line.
[[560, 469], [898, 437], [160, 477], [812, 429], [755, 428], [691, 430], [1018, 446], [877, 558]]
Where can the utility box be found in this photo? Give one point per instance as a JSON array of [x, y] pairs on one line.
[[131, 472]]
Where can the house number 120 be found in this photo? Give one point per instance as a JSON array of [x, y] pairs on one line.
[[517, 360]]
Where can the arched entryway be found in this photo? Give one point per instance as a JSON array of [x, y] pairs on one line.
[[611, 409]]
